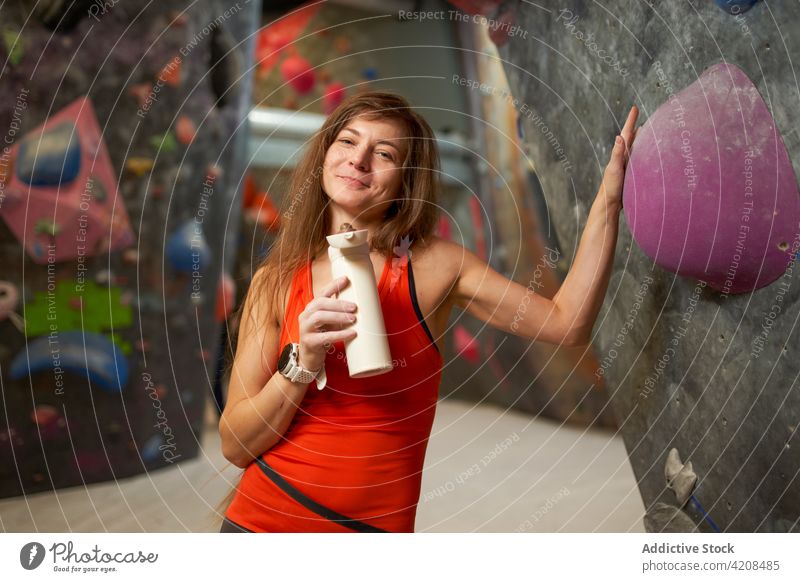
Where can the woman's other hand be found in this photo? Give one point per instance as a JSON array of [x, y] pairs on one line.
[[325, 320], [614, 174]]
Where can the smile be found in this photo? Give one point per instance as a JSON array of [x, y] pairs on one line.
[[352, 182]]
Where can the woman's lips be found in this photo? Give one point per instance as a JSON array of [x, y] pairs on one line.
[[353, 181]]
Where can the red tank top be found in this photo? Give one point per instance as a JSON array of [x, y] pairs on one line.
[[358, 445]]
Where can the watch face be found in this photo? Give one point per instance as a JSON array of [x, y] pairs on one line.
[[286, 354]]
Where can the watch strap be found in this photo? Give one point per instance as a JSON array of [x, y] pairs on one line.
[[296, 373]]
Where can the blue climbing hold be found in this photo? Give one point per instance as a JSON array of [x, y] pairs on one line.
[[151, 449], [370, 73], [82, 353], [53, 161], [735, 6], [187, 249]]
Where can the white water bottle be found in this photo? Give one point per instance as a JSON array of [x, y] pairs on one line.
[[368, 353]]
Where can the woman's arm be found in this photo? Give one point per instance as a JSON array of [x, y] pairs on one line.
[[260, 403], [569, 317]]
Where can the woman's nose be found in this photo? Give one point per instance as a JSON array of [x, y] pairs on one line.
[[360, 160]]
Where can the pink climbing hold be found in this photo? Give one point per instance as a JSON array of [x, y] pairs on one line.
[[226, 298], [466, 346], [710, 192], [298, 73], [334, 95]]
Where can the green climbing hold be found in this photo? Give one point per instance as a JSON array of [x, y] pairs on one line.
[[165, 142], [13, 43], [100, 310], [47, 226]]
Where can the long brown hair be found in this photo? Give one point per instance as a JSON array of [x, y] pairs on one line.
[[305, 216]]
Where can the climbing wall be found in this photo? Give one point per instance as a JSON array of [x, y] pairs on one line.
[[123, 153], [697, 338]]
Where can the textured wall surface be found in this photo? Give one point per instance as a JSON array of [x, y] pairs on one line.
[[170, 89], [710, 374]]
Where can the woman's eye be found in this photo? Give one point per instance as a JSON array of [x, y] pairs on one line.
[[345, 140], [385, 155]]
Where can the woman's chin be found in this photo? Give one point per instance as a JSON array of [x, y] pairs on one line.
[[363, 213]]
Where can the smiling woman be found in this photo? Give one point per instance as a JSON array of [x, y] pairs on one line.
[[350, 457]]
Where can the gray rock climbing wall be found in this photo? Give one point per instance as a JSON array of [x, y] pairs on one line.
[[710, 374], [124, 140]]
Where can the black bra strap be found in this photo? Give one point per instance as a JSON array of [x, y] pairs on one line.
[[309, 503]]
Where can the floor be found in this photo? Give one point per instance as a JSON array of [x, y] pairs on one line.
[[487, 469]]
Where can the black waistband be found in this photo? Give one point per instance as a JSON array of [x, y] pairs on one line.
[[317, 508]]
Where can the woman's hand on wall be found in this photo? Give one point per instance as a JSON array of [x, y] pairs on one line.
[[614, 174], [325, 320]]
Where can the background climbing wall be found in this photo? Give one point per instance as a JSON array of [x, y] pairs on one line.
[[680, 358], [124, 134]]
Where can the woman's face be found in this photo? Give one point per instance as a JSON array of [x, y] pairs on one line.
[[362, 172]]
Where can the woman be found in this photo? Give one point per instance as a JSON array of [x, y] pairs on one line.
[[349, 456]]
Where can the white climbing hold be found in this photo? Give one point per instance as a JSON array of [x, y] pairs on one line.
[[680, 477]]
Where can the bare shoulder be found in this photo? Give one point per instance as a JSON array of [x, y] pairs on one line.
[[437, 266], [444, 257], [439, 255]]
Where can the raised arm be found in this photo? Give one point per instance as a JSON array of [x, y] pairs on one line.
[[570, 316]]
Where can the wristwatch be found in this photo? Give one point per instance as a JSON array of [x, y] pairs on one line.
[[289, 367]]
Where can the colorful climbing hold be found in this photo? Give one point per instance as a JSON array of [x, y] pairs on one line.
[[187, 249], [47, 226], [213, 172], [466, 346], [81, 353], [151, 450], [185, 129], [226, 297], [141, 91], [710, 192], [139, 166], [51, 157], [273, 39], [14, 44], [736, 6], [44, 414], [334, 94], [164, 142], [299, 73], [100, 307], [171, 73]]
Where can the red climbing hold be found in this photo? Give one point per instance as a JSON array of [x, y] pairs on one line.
[[466, 346]]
